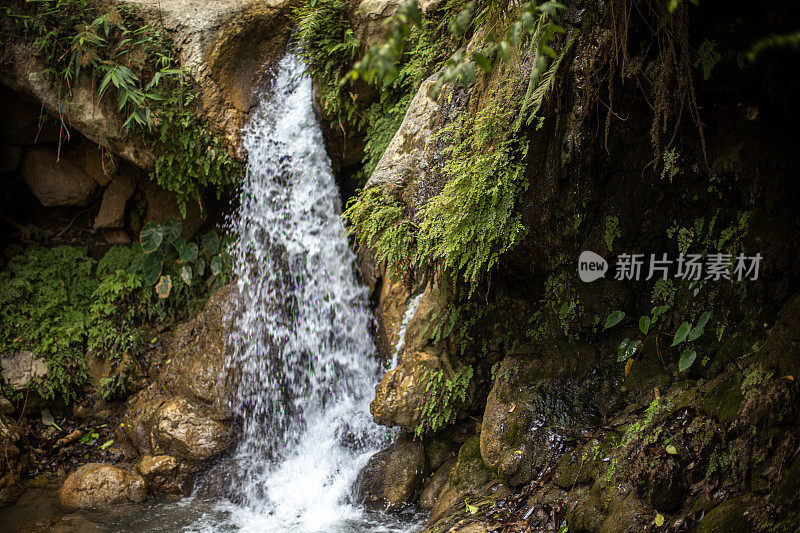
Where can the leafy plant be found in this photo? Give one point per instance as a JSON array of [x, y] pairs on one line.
[[686, 333], [162, 245], [443, 397]]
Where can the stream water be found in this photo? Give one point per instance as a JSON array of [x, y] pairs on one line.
[[303, 361]]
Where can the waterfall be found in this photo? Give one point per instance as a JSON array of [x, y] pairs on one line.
[[303, 359]]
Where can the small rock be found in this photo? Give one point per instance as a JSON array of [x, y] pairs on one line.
[[115, 199]]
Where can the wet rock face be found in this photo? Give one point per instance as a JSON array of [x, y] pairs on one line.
[[13, 459], [391, 478], [163, 473], [187, 432], [400, 396], [96, 485], [183, 418]]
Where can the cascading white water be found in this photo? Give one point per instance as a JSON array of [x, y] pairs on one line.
[[303, 359]]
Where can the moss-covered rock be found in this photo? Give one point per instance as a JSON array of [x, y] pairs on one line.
[[728, 517]]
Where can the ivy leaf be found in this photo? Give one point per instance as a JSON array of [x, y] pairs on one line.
[[614, 319], [200, 266], [172, 228], [186, 274], [152, 267], [187, 251], [216, 265], [701, 325], [681, 334], [151, 237], [644, 324], [482, 61], [687, 358], [671, 449], [626, 349], [163, 286], [660, 310], [211, 242]]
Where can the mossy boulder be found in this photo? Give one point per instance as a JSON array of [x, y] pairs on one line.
[[392, 476], [728, 517], [468, 478]]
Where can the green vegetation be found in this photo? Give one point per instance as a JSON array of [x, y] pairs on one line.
[[169, 255], [443, 397], [59, 303], [136, 61]]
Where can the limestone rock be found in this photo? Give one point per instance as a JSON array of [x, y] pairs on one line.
[[19, 369], [198, 353], [57, 179], [96, 485], [391, 477], [184, 414], [115, 199], [468, 477], [405, 162], [225, 45], [400, 396], [368, 20], [433, 487]]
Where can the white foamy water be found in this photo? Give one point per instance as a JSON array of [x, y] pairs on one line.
[[303, 358]]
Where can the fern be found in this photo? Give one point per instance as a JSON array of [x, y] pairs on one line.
[[443, 398]]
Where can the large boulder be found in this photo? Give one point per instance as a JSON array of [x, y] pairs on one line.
[[96, 485], [224, 45], [406, 161], [401, 394], [57, 176], [392, 476], [187, 431]]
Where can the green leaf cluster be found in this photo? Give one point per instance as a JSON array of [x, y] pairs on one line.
[[443, 397], [168, 255]]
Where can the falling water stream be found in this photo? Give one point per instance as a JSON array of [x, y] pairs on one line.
[[302, 359]]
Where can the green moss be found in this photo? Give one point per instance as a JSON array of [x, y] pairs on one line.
[[728, 517], [722, 400]]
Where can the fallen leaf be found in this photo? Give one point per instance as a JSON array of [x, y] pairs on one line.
[[659, 520], [671, 449]]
